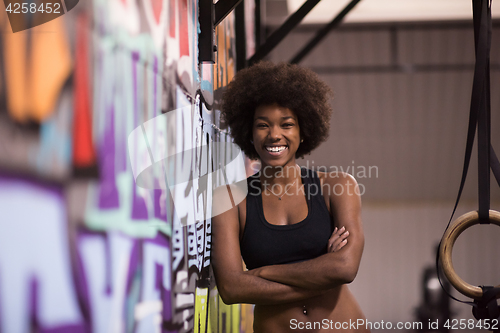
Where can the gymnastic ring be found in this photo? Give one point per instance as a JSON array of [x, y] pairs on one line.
[[445, 250]]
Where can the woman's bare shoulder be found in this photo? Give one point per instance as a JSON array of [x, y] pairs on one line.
[[339, 188], [336, 177]]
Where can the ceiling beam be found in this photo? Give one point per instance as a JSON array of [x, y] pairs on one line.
[[277, 36], [223, 8], [323, 32]]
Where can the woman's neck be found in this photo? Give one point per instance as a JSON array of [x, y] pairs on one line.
[[280, 174]]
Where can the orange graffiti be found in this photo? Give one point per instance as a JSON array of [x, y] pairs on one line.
[[37, 64]]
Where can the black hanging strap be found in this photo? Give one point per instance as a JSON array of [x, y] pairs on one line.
[[479, 116], [484, 110], [482, 46], [495, 165]]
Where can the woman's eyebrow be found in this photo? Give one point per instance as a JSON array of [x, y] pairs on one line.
[[282, 118]]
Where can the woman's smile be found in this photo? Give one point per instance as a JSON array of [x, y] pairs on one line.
[[276, 150]]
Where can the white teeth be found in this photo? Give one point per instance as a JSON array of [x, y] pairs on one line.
[[276, 149]]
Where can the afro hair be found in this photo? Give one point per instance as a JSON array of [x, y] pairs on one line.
[[296, 88]]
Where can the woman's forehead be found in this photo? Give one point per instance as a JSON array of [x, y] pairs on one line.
[[273, 111]]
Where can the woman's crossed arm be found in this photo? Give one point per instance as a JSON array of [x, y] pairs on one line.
[[236, 285], [335, 267], [290, 282]]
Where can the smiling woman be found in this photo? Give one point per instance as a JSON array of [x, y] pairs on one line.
[[301, 243]]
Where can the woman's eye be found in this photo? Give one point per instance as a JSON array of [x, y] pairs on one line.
[[261, 125], [288, 125]]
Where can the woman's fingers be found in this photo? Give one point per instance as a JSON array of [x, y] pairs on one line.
[[337, 245], [336, 234], [338, 239]]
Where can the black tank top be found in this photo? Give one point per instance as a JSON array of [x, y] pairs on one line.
[[266, 244]]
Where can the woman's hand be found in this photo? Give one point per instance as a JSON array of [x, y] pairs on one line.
[[337, 240]]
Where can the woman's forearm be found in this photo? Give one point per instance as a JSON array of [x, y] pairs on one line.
[[251, 289], [325, 272]]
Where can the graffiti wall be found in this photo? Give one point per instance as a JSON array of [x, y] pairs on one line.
[[110, 142]]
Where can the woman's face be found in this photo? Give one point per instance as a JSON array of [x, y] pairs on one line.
[[276, 135]]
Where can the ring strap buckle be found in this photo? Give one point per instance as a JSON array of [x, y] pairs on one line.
[[486, 307]]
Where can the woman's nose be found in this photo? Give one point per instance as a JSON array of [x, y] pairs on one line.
[[275, 132]]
